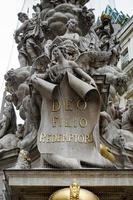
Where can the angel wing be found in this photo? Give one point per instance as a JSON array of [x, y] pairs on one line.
[[41, 63], [94, 59]]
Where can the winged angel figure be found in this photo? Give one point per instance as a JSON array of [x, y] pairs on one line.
[[51, 76]]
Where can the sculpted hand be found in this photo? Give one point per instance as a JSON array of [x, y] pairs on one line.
[[105, 115], [33, 77], [92, 82]]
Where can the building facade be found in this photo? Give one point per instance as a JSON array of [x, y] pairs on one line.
[[125, 36]]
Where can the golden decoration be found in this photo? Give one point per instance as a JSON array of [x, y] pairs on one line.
[[105, 152], [105, 16], [73, 193], [24, 155]]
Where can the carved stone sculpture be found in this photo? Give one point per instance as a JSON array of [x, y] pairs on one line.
[[8, 142], [121, 138], [67, 64], [15, 77], [8, 122], [28, 46], [23, 161]]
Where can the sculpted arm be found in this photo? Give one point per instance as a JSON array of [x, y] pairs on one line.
[[111, 27], [42, 76], [106, 116], [4, 126], [21, 28], [85, 76], [2, 120], [45, 75], [2, 130]]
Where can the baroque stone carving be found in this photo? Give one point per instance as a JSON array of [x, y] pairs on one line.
[[23, 161], [66, 62]]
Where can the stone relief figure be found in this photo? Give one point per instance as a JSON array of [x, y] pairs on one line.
[[41, 63], [127, 117], [20, 96], [69, 41], [86, 17], [106, 25], [30, 110], [55, 75], [104, 44], [109, 44], [57, 71], [14, 77], [23, 90], [8, 142], [8, 128], [8, 122], [62, 45], [59, 16], [27, 36], [70, 33], [116, 134], [32, 118], [20, 131]]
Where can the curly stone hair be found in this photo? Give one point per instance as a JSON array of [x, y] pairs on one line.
[[20, 14]]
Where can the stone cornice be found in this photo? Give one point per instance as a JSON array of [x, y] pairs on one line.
[[46, 177]]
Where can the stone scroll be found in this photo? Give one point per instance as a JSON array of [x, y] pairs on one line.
[[67, 120]]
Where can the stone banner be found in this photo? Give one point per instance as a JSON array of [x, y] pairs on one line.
[[68, 121]]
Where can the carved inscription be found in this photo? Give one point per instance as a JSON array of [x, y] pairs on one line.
[[67, 137], [69, 105], [73, 123]]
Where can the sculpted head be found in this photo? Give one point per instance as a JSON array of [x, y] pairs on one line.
[[88, 14], [22, 17], [121, 84], [105, 18], [20, 131], [9, 98], [10, 75], [56, 53], [72, 25]]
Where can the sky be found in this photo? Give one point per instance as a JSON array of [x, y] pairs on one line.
[[9, 23]]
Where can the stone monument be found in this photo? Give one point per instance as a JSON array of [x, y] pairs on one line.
[[67, 90]]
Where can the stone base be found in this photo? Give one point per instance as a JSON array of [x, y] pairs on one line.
[[39, 184]]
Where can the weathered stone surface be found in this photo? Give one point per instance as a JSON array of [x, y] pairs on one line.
[[62, 40]]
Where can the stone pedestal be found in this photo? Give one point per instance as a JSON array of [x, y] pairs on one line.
[[39, 184]]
